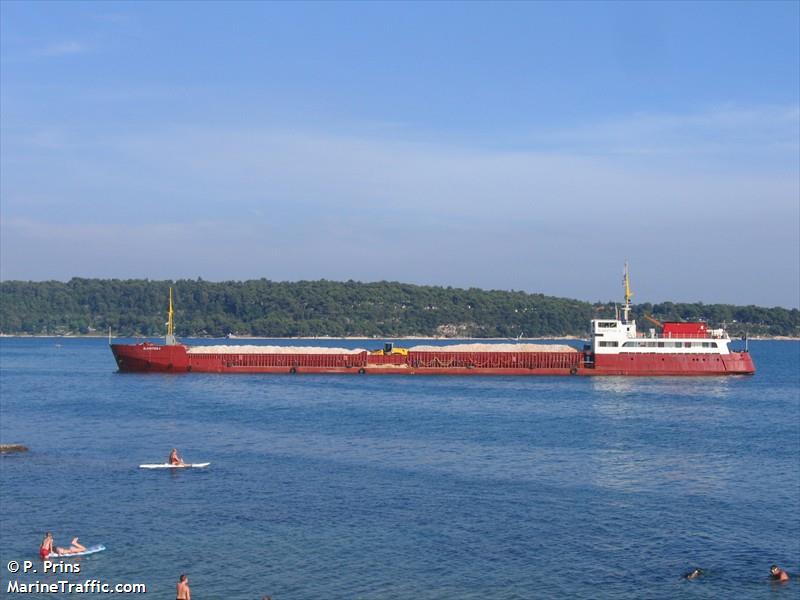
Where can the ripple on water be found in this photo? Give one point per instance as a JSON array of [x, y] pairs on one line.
[[405, 487]]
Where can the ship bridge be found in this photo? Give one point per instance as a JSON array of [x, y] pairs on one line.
[[616, 336], [613, 336]]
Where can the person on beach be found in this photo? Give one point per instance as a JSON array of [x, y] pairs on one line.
[[778, 574], [46, 547], [74, 547], [174, 459], [182, 591]]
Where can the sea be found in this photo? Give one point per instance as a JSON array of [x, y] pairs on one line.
[[392, 487]]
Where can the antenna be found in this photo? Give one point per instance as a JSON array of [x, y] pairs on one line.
[[626, 281]]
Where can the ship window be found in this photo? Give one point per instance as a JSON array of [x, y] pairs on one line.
[[679, 344], [609, 344], [660, 344], [687, 344], [629, 344], [607, 324]]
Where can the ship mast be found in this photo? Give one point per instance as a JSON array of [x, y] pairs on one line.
[[626, 282], [170, 339]]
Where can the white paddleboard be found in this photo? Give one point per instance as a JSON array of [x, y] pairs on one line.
[[169, 466], [89, 550]]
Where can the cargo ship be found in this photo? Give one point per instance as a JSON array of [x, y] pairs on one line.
[[615, 348]]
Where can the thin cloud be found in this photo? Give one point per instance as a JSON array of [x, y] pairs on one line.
[[722, 130], [381, 175], [491, 218], [112, 17], [66, 48]]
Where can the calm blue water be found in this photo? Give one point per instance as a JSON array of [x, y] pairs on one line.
[[405, 487]]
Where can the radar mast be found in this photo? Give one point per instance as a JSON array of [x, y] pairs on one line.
[[626, 282]]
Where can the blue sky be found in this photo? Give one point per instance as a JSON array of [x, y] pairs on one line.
[[532, 146]]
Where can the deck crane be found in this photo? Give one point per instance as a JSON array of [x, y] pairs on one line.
[[654, 321]]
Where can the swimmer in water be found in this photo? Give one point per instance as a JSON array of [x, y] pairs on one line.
[[182, 591], [778, 574], [74, 548], [694, 574]]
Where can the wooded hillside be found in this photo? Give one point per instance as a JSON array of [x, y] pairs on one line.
[[328, 308]]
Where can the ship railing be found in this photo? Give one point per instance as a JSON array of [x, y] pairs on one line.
[[682, 336]]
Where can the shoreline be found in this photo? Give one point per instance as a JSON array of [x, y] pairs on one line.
[[777, 338], [315, 337]]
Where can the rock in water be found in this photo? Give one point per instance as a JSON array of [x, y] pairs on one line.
[[12, 448]]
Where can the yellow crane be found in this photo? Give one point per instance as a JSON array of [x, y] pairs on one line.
[[654, 321], [170, 341]]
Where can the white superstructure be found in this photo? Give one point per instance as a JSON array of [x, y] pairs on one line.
[[616, 336]]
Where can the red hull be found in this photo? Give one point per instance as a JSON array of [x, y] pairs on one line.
[[735, 363], [175, 359]]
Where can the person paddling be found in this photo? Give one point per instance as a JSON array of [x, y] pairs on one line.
[[46, 547], [174, 459]]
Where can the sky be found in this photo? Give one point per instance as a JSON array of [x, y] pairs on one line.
[[527, 146]]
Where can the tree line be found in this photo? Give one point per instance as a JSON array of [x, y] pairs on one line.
[[137, 307]]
